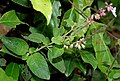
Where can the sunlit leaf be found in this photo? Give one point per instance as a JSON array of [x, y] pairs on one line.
[[4, 77], [44, 6], [10, 19]]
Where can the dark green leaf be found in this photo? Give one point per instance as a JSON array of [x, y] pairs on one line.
[[16, 45], [76, 77], [38, 66], [103, 54], [89, 58], [12, 70], [36, 37], [71, 64], [54, 22], [24, 3], [54, 56], [10, 19]]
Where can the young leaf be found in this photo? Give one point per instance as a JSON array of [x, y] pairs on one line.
[[54, 56], [89, 58], [38, 66], [16, 45], [57, 40], [24, 3], [4, 77], [44, 6], [12, 70], [10, 19]]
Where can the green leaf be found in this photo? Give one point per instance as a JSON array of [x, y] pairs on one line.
[[44, 6], [54, 56], [76, 77], [24, 3], [82, 3], [12, 70], [89, 58], [102, 52], [36, 37], [10, 19], [54, 22], [16, 45], [38, 66], [71, 64], [58, 40], [4, 77], [114, 74]]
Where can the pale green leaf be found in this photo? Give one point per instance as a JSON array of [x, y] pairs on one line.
[[10, 19], [58, 40], [16, 45], [44, 6], [54, 56], [4, 77], [38, 66], [12, 70]]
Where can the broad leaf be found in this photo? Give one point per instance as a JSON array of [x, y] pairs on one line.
[[89, 58], [102, 52], [83, 3], [24, 3], [54, 56], [44, 6], [16, 45], [4, 77], [71, 64], [54, 22], [12, 70], [38, 66], [58, 40], [36, 37], [10, 19]]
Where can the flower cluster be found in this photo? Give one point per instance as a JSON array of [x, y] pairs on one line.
[[79, 44], [102, 12]]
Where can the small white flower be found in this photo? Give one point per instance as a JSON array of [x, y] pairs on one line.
[[114, 11]]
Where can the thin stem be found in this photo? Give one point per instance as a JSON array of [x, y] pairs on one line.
[[78, 9]]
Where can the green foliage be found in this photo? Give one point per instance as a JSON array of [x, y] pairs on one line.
[[10, 19], [12, 70], [62, 39], [44, 6], [38, 66], [16, 45], [4, 77]]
